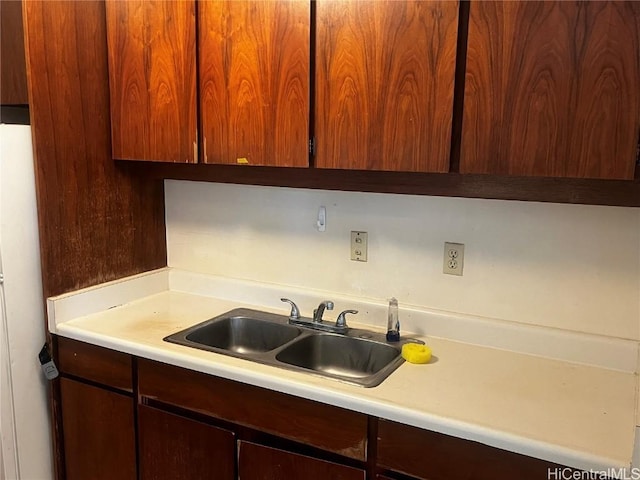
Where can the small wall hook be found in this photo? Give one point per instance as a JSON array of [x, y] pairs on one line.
[[322, 219]]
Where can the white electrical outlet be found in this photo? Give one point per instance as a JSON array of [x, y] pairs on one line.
[[453, 258], [359, 246]]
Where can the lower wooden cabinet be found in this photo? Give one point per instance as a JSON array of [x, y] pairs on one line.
[[193, 426], [96, 364], [98, 432], [173, 447], [257, 462], [433, 456], [321, 426]]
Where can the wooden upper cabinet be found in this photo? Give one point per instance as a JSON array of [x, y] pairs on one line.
[[254, 82], [384, 89], [13, 69], [552, 89], [152, 79]]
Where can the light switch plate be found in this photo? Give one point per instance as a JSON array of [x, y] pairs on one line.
[[359, 242]]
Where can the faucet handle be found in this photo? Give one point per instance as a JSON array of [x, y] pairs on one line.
[[295, 313], [342, 318]]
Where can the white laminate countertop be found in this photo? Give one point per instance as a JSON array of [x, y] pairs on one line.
[[574, 414]]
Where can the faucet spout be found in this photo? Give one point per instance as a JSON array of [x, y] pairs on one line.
[[317, 313]]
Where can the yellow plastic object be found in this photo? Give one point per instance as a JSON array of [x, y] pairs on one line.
[[416, 353]]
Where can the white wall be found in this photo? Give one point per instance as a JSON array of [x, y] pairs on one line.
[[573, 267], [23, 325]]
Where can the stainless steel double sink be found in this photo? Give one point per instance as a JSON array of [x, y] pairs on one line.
[[358, 356]]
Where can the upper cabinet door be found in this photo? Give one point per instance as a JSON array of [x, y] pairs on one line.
[[152, 79], [552, 89], [384, 91], [254, 82]]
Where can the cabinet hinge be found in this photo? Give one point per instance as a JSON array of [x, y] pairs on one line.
[[312, 146], [638, 151]]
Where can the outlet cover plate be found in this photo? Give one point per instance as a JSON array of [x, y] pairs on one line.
[[453, 259]]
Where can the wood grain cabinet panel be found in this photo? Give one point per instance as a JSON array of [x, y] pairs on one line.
[[254, 82], [434, 456], [316, 424], [384, 88], [176, 448], [256, 462], [94, 363], [13, 70], [98, 431], [152, 79], [97, 221], [552, 89]]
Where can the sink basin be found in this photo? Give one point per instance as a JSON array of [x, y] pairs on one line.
[[360, 357], [243, 334], [240, 331], [355, 359]]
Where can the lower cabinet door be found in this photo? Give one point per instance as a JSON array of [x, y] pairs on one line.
[[256, 462], [98, 433], [178, 448]]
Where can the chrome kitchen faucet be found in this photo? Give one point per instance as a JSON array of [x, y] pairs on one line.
[[316, 322]]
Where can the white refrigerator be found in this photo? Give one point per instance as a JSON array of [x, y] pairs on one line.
[[25, 433]]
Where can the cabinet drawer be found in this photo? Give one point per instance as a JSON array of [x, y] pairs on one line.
[[322, 426], [94, 363], [257, 462], [435, 456]]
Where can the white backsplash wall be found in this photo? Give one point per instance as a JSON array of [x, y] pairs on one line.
[[572, 267]]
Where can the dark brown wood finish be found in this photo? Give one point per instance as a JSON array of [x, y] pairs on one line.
[[97, 221], [558, 190], [14, 114], [319, 425], [257, 462], [176, 448], [152, 78], [13, 70], [99, 437], [177, 439], [384, 87], [458, 89], [552, 89], [94, 363], [435, 456], [254, 82]]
